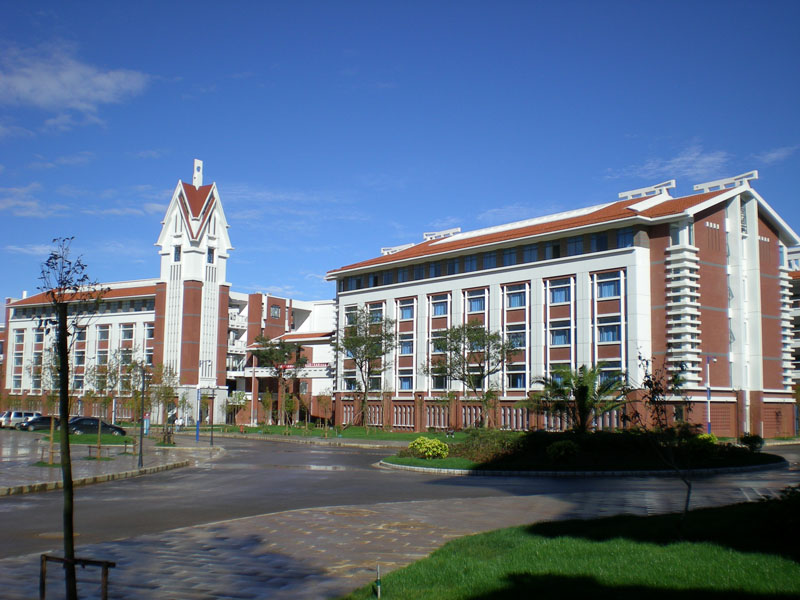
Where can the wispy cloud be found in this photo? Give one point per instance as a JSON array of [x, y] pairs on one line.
[[13, 131], [30, 249], [51, 78], [121, 210], [71, 160], [775, 155], [24, 202], [508, 214], [692, 162]]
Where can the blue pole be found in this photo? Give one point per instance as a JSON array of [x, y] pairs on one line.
[[197, 423]]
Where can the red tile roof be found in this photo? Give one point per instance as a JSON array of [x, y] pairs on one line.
[[196, 197], [113, 294], [616, 211]]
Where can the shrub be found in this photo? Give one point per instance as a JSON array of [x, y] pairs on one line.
[[753, 442], [562, 451], [424, 447], [484, 445]]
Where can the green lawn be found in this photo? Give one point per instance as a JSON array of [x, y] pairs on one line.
[[742, 551], [91, 438], [352, 432]]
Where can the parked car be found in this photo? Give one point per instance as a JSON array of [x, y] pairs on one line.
[[36, 423], [12, 417], [79, 425]]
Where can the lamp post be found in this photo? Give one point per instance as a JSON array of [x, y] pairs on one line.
[[708, 392], [141, 419], [211, 414]]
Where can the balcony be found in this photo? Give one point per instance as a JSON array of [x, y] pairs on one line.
[[237, 321], [237, 347]]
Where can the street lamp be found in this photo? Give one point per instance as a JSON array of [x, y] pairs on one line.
[[709, 360], [141, 419]]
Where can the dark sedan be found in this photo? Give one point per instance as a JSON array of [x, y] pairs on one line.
[[41, 422], [79, 425]]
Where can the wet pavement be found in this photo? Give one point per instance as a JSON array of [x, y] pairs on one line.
[[325, 551]]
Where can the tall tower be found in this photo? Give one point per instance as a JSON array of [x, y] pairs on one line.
[[192, 292]]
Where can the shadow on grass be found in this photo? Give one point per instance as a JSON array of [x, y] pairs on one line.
[[543, 587], [767, 527]]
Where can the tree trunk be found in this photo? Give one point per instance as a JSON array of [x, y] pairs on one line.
[[71, 587]]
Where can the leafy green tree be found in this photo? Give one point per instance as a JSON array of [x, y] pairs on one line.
[[285, 360], [366, 339], [472, 355], [72, 294], [581, 394]]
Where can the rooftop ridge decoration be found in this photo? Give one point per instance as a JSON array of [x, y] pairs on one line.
[[728, 182], [653, 190], [437, 235], [385, 251]]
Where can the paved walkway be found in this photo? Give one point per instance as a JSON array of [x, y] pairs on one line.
[[320, 552]]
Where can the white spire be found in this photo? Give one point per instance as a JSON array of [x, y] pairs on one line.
[[197, 173]]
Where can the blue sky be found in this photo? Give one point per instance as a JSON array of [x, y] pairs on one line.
[[335, 128]]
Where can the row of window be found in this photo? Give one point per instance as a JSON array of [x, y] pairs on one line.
[[105, 307], [126, 332], [528, 253]]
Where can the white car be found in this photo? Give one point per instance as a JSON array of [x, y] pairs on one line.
[[11, 417]]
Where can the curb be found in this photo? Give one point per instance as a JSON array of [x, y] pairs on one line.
[[575, 474], [56, 485]]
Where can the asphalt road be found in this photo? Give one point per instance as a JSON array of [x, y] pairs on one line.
[[256, 477]]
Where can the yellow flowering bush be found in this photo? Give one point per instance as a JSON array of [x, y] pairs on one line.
[[424, 447]]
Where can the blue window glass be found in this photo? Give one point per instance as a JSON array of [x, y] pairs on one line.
[[388, 278], [489, 260], [530, 253], [608, 289], [559, 291], [559, 337], [477, 304], [516, 380], [516, 339], [574, 246], [419, 272], [436, 269], [406, 346], [406, 312], [509, 256], [439, 306], [452, 266], [402, 275], [470, 263], [599, 242], [625, 237], [516, 299], [406, 380], [608, 333], [552, 250]]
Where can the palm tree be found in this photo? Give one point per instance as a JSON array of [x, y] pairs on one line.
[[582, 394]]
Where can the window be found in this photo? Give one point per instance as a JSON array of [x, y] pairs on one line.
[[406, 309], [515, 334], [574, 245], [148, 357], [439, 382], [509, 257], [102, 357], [18, 359], [210, 256], [373, 280], [17, 382], [552, 250], [608, 285], [80, 358], [38, 337], [352, 283], [530, 253], [608, 329], [452, 266], [388, 278], [275, 311], [176, 254], [406, 343], [149, 331], [599, 242], [402, 275], [375, 383], [350, 381], [674, 234], [470, 263], [36, 382], [19, 336], [80, 334], [560, 291], [476, 301], [406, 379], [515, 296], [559, 333], [77, 382], [419, 272], [625, 237], [350, 315], [375, 313], [436, 269], [126, 356], [438, 342], [489, 260], [102, 332], [515, 377], [439, 304], [610, 370], [37, 359], [126, 331]]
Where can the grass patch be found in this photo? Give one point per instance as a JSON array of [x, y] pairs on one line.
[[41, 463], [102, 458], [434, 463], [91, 439], [352, 432], [741, 551]]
